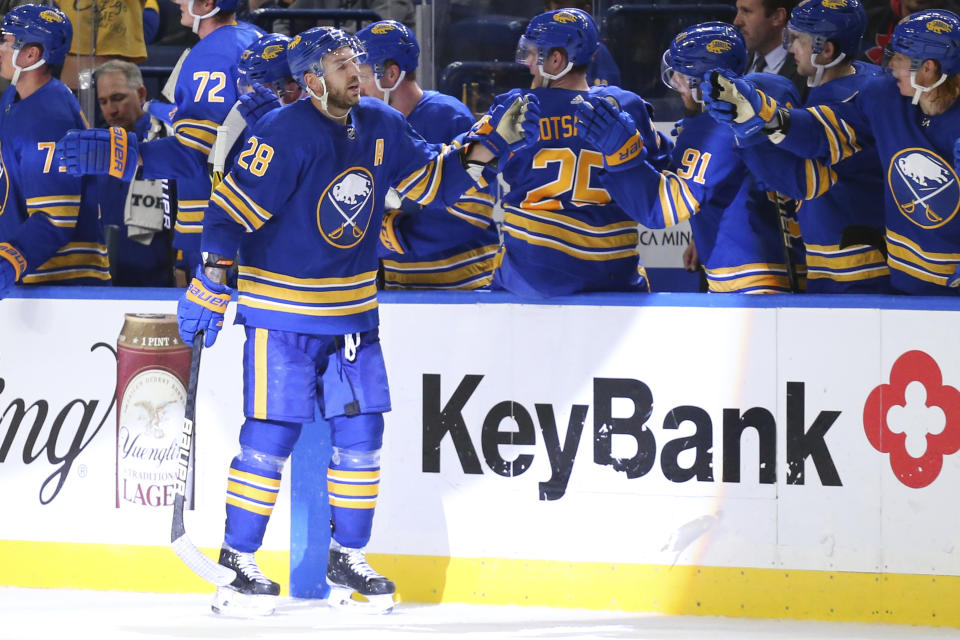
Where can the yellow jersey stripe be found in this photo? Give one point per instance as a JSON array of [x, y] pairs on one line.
[[354, 490], [366, 277], [252, 478], [246, 491], [246, 505], [342, 310]]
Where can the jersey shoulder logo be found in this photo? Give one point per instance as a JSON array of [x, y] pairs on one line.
[[924, 187], [346, 208]]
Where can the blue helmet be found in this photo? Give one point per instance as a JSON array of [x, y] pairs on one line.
[[305, 52], [572, 30], [46, 26], [264, 62], [839, 21], [390, 40], [700, 48], [929, 35]]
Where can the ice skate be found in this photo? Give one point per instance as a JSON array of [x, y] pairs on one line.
[[348, 573], [250, 594]]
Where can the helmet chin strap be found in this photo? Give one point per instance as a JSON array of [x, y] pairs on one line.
[[547, 77], [198, 18], [322, 99], [17, 68], [816, 79], [386, 92], [919, 89]]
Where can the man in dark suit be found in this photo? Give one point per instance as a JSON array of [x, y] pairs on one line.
[[761, 22]]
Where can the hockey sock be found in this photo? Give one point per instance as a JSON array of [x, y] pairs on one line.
[[254, 480], [353, 477]]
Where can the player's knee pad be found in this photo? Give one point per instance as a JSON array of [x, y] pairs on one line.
[[270, 437], [363, 432]]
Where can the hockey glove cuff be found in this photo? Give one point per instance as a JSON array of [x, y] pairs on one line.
[[257, 104], [11, 267], [99, 151], [201, 308], [610, 131], [389, 236]]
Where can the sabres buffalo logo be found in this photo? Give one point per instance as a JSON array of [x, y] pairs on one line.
[[718, 46], [924, 187], [381, 29], [51, 16], [939, 26], [271, 52], [346, 208], [293, 43], [834, 4], [246, 54], [564, 16]]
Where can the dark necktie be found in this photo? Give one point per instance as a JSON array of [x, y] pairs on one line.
[[761, 64]]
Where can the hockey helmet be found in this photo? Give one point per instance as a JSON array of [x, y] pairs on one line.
[[572, 30], [264, 62], [928, 35], [699, 49], [43, 25], [390, 40], [841, 22], [305, 52]]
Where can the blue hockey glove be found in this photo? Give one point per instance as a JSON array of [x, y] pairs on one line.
[[506, 128], [110, 151], [257, 104], [201, 308], [735, 101], [956, 155], [612, 132], [12, 266], [677, 128]]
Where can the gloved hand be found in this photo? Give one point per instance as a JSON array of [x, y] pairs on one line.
[[956, 155], [735, 101], [506, 128], [254, 106], [677, 128], [612, 132], [12, 266], [201, 308], [110, 151]]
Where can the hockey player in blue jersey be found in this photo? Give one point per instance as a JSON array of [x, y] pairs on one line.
[[562, 234], [841, 228], [303, 205], [51, 232], [426, 247], [206, 90], [911, 116], [737, 230]]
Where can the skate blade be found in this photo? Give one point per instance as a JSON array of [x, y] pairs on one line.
[[233, 604], [341, 598]]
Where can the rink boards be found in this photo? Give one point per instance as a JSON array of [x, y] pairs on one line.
[[721, 455]]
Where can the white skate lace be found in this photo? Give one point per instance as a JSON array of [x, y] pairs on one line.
[[248, 566], [357, 561]]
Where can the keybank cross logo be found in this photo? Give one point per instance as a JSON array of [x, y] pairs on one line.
[[915, 419]]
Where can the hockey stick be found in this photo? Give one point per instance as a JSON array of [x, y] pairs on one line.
[[199, 563], [787, 244]]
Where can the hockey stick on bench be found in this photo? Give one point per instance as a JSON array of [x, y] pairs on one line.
[[199, 563]]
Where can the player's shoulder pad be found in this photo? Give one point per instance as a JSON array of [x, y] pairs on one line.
[[627, 100], [777, 87], [60, 112], [443, 102]]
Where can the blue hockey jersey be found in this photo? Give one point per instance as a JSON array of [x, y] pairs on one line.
[[922, 194], [50, 216], [310, 192], [206, 90], [562, 232], [428, 248], [845, 198], [736, 228]]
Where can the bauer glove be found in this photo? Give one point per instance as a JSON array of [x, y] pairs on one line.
[[12, 266], [506, 128], [110, 151], [734, 101], [612, 132], [257, 104], [201, 308]]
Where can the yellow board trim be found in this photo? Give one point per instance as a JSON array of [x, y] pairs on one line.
[[677, 590]]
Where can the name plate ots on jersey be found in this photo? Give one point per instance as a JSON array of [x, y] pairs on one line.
[[442, 417]]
